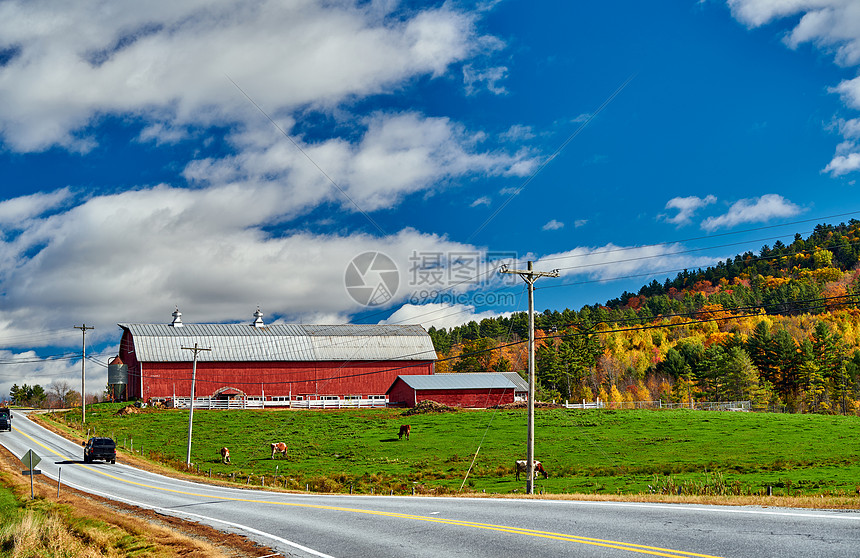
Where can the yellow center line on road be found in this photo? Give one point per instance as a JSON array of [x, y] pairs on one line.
[[642, 549]]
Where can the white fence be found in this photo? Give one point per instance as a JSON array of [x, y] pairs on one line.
[[210, 403], [697, 405]]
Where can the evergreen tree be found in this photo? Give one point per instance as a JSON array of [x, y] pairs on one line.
[[811, 380], [710, 379], [787, 360], [675, 365], [740, 376], [760, 346]]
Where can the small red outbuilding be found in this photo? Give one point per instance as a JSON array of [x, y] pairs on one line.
[[479, 389]]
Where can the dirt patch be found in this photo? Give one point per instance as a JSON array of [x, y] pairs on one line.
[[428, 406]]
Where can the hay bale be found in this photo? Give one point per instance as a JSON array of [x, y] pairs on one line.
[[128, 410]]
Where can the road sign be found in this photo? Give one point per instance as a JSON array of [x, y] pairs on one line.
[[30, 459]]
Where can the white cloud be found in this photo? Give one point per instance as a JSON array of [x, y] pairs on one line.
[[146, 251], [580, 223], [753, 210], [398, 154], [439, 315], [483, 200], [687, 208], [17, 211], [843, 164], [553, 225], [849, 90], [518, 132], [166, 62], [612, 262], [489, 78], [26, 367]]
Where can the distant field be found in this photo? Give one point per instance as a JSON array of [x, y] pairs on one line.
[[591, 452]]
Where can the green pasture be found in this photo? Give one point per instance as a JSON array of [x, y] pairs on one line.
[[585, 451]]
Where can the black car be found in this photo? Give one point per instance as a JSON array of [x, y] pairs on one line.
[[6, 419], [100, 448]]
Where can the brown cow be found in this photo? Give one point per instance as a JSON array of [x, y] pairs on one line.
[[521, 468], [225, 455], [404, 431], [279, 447]]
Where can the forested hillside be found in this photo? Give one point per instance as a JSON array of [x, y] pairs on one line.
[[779, 328]]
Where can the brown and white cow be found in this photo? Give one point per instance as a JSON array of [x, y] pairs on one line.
[[225, 455], [279, 447], [522, 464], [405, 429]]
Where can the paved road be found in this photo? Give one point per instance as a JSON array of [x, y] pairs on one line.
[[375, 526]]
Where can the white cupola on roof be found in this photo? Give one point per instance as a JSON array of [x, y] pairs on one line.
[[177, 318], [258, 318]]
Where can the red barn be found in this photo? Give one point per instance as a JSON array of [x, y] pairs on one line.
[[480, 389], [275, 363]]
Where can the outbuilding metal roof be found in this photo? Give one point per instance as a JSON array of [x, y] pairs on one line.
[[244, 343], [474, 380], [518, 381]]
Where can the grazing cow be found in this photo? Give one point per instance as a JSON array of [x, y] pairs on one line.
[[404, 431], [225, 455], [521, 468], [279, 447]]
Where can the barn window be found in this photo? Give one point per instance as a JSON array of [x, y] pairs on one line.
[[376, 397], [329, 397]]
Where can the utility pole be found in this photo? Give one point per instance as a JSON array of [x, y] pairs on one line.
[[191, 407], [84, 329], [530, 276]]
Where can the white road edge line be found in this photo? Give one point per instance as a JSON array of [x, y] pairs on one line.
[[165, 511]]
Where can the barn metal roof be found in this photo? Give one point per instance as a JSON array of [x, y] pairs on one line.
[[284, 342], [473, 380]]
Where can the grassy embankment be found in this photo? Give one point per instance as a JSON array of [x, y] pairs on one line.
[[586, 452], [74, 527]]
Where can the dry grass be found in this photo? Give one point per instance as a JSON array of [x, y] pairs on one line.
[[76, 524]]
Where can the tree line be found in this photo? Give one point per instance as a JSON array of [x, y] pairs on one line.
[[780, 329], [59, 393]]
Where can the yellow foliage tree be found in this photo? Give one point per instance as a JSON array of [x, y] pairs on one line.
[[614, 397]]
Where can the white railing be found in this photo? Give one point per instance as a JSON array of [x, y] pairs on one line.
[[697, 405], [585, 405], [331, 403], [210, 403]]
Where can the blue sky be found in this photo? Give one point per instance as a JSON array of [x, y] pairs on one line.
[[221, 156]]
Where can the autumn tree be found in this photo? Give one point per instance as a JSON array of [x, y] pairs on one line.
[[477, 356]]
